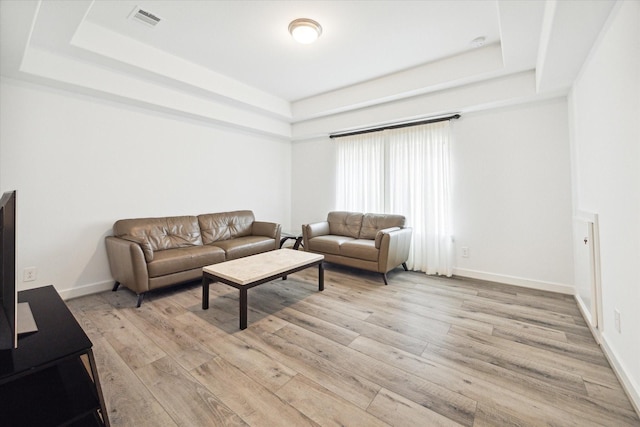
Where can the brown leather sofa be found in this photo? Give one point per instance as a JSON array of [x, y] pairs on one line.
[[152, 253], [373, 242]]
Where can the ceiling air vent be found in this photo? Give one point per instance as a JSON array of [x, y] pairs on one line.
[[145, 17]]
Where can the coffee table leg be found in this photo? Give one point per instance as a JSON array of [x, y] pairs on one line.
[[243, 308], [320, 277], [205, 293]]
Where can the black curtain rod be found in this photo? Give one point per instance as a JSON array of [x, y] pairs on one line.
[[400, 125]]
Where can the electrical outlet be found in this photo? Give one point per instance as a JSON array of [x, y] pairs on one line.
[[29, 274], [616, 315], [465, 252]]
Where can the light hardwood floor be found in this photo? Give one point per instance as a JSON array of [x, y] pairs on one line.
[[422, 351]]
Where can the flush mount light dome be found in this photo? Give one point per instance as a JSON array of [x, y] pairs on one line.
[[305, 30]]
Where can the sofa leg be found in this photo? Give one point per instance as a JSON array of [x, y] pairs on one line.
[[384, 277], [140, 296], [404, 265], [115, 286]]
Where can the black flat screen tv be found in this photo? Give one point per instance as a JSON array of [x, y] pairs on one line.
[[14, 318], [8, 317]]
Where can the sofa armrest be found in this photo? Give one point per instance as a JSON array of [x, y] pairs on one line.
[[316, 229], [382, 232], [128, 264], [144, 245], [268, 229], [394, 248]]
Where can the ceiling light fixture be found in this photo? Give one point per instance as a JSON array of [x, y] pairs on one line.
[[305, 30]]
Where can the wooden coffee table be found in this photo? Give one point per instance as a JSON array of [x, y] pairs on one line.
[[248, 272]]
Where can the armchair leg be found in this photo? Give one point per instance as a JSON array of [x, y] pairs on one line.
[[140, 296], [384, 277], [115, 286], [404, 265]]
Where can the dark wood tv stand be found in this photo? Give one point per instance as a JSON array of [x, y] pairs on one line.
[[51, 378]]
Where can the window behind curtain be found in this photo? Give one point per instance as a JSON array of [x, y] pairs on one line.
[[402, 171]]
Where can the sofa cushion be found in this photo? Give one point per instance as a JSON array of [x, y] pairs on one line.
[[161, 233], [225, 225], [345, 223], [175, 260], [327, 244], [372, 223], [245, 246], [361, 249]]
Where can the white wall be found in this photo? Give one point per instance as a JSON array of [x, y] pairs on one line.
[[605, 102], [511, 193], [79, 164], [313, 185]]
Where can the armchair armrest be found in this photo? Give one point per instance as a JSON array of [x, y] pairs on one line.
[[394, 247], [127, 263]]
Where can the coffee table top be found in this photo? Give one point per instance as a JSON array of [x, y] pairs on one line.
[[256, 267]]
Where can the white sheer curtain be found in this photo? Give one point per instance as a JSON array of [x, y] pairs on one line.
[[404, 171], [419, 187], [360, 173]]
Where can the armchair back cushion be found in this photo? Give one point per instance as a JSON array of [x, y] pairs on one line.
[[216, 227]]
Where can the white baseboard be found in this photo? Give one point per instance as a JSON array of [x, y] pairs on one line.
[[628, 384], [516, 281], [80, 291]]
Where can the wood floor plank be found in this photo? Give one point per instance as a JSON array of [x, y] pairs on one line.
[[421, 351], [133, 345], [184, 349], [433, 396], [565, 362], [502, 363], [588, 354], [430, 311], [609, 395], [187, 401], [324, 407], [565, 323], [523, 407], [362, 327], [577, 403], [253, 402], [398, 411], [282, 310], [265, 370], [351, 387], [129, 402]]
